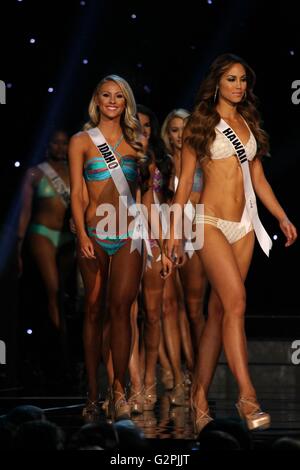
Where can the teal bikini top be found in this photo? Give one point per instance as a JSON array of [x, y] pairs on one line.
[[95, 168], [45, 188]]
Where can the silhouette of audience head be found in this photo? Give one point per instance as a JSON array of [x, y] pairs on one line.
[[130, 436], [218, 440], [23, 413], [232, 427], [39, 435], [286, 443], [96, 435]]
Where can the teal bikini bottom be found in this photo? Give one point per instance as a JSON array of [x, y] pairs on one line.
[[109, 244], [56, 237]]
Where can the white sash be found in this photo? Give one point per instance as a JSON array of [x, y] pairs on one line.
[[250, 205], [57, 182], [189, 212], [116, 172]]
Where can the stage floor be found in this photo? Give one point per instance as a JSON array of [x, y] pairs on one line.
[[166, 425], [276, 378]]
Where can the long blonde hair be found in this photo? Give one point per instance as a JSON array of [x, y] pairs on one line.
[[176, 113], [129, 123]]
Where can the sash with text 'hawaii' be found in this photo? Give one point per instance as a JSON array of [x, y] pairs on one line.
[[251, 207]]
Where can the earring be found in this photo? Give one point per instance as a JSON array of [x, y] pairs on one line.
[[216, 92]]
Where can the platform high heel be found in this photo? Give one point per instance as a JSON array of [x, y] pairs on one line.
[[254, 418]]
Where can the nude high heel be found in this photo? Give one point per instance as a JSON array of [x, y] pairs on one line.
[[255, 418], [177, 395], [91, 411], [120, 409], [200, 417], [136, 401], [150, 397]]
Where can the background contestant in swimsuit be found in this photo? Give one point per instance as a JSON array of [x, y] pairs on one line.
[[45, 214], [44, 220]]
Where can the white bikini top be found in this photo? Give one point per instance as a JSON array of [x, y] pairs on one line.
[[222, 148]]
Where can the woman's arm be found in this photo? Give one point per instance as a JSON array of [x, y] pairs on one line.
[[266, 195], [187, 172], [153, 219], [78, 200], [184, 189], [27, 198], [26, 211], [154, 222], [85, 197]]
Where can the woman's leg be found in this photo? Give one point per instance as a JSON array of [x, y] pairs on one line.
[[209, 351], [184, 326], [227, 307], [94, 274], [44, 254], [66, 265], [125, 275], [106, 351], [194, 283], [170, 325], [134, 363], [166, 369], [136, 380], [153, 286]]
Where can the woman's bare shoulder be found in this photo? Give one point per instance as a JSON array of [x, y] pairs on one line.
[[80, 137], [33, 175], [79, 142]]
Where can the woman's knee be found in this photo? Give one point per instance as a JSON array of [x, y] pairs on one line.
[[120, 309], [152, 318], [215, 310], [236, 305], [195, 309], [93, 310], [170, 306]]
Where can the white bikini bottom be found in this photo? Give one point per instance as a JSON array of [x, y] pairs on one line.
[[233, 231]]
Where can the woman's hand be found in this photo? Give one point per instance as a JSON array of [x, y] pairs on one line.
[[167, 266], [86, 247], [181, 255], [173, 249], [289, 231], [72, 226]]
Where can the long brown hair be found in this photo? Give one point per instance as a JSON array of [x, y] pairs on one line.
[[201, 125]]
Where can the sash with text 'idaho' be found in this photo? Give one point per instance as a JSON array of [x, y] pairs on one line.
[[140, 224], [251, 207]]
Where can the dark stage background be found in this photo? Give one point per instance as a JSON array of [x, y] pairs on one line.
[[69, 46]]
